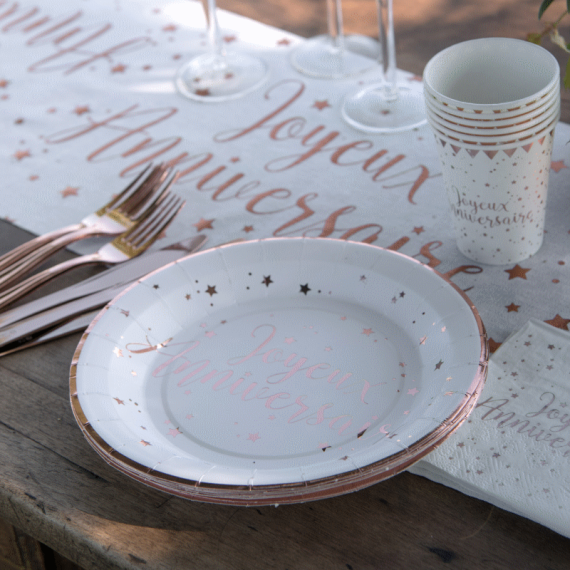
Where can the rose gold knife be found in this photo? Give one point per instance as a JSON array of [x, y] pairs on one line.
[[41, 325], [120, 274]]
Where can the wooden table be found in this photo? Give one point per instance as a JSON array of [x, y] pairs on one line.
[[57, 491]]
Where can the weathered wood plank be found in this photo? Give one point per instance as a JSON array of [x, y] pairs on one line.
[[19, 551]]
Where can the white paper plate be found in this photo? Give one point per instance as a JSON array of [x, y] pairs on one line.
[[278, 370]]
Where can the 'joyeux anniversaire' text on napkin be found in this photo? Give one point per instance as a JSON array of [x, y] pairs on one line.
[[514, 451]]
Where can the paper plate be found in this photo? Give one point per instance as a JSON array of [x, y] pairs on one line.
[[279, 370]]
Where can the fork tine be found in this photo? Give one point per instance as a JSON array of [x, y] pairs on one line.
[[160, 192], [122, 196], [138, 199], [147, 232]]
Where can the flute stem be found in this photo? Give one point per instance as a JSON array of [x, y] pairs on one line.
[[335, 24], [387, 41], [213, 27]]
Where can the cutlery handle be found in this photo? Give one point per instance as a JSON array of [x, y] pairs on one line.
[[18, 291], [14, 255], [38, 255]]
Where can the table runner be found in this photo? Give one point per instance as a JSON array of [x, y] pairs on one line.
[[87, 101]]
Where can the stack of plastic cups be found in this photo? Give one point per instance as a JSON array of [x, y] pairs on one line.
[[493, 105]]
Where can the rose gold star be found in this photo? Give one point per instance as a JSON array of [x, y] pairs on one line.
[[174, 432], [254, 436], [320, 105], [204, 224], [438, 365], [169, 28], [229, 39], [119, 401], [143, 442], [367, 332], [80, 109], [247, 229], [119, 68], [517, 271], [19, 154], [4, 83], [512, 308], [33, 177], [211, 290], [416, 78], [558, 322], [69, 191], [557, 165], [419, 230], [283, 42], [412, 391], [202, 92]]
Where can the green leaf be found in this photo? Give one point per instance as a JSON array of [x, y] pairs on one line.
[[566, 80], [534, 38], [545, 4]]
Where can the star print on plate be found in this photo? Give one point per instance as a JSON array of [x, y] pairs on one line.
[[296, 351]]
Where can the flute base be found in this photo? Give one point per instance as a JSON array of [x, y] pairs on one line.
[[320, 57], [213, 78], [371, 110]]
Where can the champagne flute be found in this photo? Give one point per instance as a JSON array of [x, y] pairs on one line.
[[334, 55], [219, 75], [385, 107]]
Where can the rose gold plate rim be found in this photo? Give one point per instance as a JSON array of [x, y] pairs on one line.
[[297, 492]]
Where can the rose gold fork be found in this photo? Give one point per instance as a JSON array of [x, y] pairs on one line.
[[119, 214], [131, 243]]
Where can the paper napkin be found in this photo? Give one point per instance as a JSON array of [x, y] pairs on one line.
[[514, 449]]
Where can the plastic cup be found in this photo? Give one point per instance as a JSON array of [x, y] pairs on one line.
[[472, 142], [518, 112], [496, 178], [491, 75], [502, 125], [500, 135], [497, 196]]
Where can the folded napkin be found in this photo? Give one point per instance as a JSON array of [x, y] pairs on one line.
[[514, 449]]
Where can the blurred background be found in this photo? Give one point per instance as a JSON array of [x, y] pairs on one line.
[[422, 27]]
